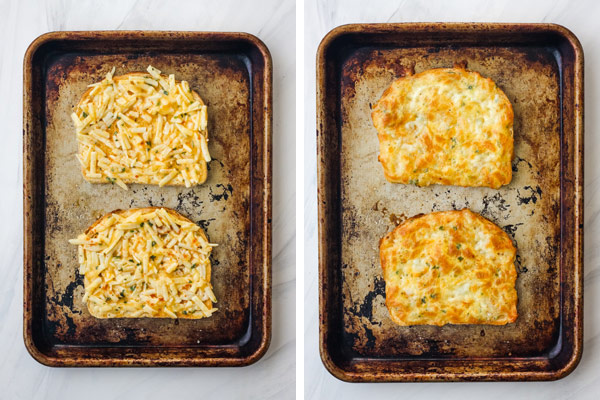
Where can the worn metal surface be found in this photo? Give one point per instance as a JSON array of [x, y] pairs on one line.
[[232, 74], [358, 339]]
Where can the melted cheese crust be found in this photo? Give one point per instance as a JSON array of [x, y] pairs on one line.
[[449, 267], [445, 126], [142, 128], [146, 262]]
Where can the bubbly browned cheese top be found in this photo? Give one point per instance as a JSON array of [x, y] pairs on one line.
[[445, 126], [449, 267]]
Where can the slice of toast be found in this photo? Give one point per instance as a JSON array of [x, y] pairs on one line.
[[142, 128], [447, 126], [449, 267], [146, 262]]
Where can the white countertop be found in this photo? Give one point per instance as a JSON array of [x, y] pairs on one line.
[[273, 377], [581, 17]]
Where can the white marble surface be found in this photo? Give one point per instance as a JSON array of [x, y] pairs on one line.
[[581, 18], [273, 377]]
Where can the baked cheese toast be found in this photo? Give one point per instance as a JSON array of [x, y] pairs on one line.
[[446, 126], [449, 267], [146, 262]]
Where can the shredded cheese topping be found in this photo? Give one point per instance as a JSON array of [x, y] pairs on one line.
[[149, 262], [142, 128]]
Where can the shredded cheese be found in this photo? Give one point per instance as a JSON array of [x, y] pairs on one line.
[[146, 263], [137, 128]]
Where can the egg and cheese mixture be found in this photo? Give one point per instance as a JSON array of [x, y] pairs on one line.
[[142, 128], [148, 262], [445, 126], [450, 267]]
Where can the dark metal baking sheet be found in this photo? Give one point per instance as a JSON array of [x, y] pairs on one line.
[[232, 74], [540, 68]]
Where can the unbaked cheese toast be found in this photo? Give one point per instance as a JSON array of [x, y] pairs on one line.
[[445, 126], [449, 267], [142, 127], [146, 262]]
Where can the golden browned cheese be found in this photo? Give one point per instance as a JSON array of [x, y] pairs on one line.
[[445, 126], [142, 127], [146, 262], [449, 267]]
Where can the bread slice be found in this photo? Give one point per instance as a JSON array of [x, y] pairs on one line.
[[146, 262], [142, 128], [445, 126], [449, 267]]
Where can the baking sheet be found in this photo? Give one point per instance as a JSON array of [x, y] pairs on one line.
[[230, 206], [364, 63]]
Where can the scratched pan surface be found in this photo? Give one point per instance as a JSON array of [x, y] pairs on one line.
[[231, 72], [539, 69]]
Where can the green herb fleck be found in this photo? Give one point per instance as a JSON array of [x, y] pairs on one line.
[[150, 223], [85, 114], [118, 117], [122, 294], [433, 295], [441, 228], [152, 257], [153, 243], [111, 180], [165, 92], [193, 266], [436, 267], [470, 87], [423, 299], [132, 288], [123, 170], [460, 258], [142, 225], [148, 143], [458, 246]]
